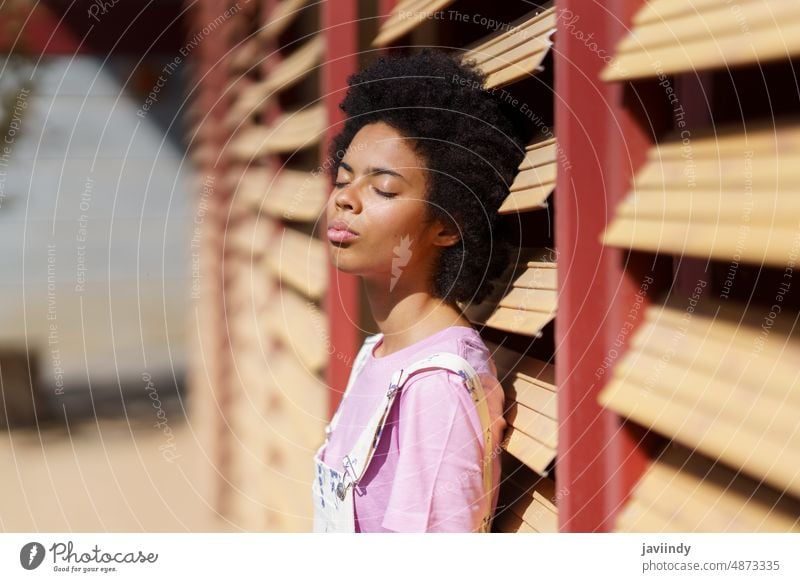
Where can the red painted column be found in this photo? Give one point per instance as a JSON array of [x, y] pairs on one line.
[[599, 456], [385, 7], [339, 23]]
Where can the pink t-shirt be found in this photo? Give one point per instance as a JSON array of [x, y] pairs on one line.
[[426, 474]]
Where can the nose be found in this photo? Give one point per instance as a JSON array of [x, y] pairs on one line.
[[346, 197]]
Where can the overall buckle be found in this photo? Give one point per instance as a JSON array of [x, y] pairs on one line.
[[341, 490], [395, 383], [349, 474]]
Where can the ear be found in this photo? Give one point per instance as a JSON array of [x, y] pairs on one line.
[[446, 234]]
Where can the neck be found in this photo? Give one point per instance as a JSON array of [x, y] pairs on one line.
[[408, 315]]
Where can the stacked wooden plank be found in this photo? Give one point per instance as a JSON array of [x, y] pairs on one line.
[[268, 278], [718, 378]]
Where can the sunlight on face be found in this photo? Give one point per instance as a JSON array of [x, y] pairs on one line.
[[380, 194]]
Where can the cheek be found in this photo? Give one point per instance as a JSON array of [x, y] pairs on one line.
[[397, 219], [330, 203]]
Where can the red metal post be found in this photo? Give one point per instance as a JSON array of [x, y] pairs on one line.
[[599, 457], [340, 26], [212, 76]]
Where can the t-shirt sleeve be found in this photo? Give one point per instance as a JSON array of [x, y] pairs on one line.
[[438, 485]]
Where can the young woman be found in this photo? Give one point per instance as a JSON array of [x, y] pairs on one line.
[[423, 162]]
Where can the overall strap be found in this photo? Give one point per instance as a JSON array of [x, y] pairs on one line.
[[358, 364], [357, 461]]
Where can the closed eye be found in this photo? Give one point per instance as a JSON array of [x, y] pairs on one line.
[[385, 194], [380, 192]]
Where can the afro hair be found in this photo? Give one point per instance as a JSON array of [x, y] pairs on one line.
[[471, 142]]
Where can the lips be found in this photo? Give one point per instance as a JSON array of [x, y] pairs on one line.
[[339, 231], [340, 224]]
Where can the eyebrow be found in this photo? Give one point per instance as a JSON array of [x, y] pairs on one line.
[[375, 170]]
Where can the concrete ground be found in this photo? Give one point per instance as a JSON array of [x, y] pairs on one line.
[[105, 475]]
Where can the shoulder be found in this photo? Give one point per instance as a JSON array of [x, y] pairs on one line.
[[433, 378], [449, 363], [435, 390], [434, 408], [444, 389]]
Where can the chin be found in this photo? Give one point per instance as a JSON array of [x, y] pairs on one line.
[[344, 263]]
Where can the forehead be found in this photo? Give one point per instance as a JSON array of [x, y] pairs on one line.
[[379, 144]]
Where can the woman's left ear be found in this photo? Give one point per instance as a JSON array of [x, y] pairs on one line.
[[447, 235]]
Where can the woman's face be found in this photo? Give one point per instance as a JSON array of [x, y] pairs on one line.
[[380, 193]]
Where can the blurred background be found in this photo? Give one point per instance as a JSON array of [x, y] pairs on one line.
[[173, 338], [95, 215]]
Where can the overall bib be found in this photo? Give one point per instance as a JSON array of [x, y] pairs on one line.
[[333, 491]]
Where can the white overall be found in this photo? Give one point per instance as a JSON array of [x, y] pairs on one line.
[[333, 490]]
